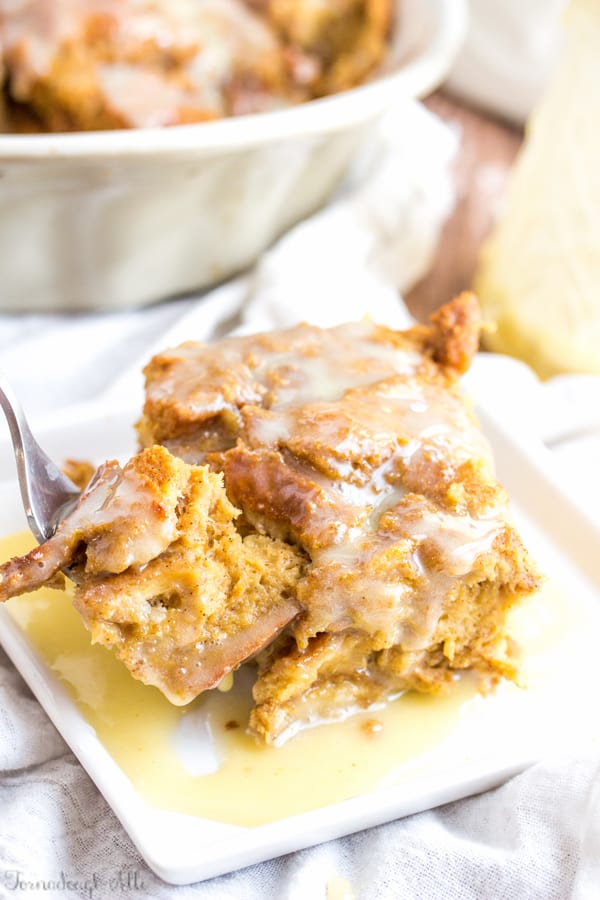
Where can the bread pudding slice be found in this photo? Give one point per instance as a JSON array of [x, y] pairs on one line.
[[374, 552], [356, 445]]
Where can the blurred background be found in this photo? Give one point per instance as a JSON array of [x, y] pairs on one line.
[[508, 57]]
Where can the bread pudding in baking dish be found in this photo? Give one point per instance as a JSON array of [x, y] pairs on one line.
[[318, 501], [102, 64]]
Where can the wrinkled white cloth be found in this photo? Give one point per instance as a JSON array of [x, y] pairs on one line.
[[535, 838]]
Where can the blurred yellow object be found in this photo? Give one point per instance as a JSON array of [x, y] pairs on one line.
[[539, 274]]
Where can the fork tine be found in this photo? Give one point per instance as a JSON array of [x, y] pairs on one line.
[[45, 490]]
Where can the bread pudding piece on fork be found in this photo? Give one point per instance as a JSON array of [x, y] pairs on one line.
[[162, 575], [356, 445]]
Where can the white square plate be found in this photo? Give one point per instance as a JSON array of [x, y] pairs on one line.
[[495, 738]]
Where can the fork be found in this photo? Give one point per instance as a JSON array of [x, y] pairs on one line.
[[47, 493]]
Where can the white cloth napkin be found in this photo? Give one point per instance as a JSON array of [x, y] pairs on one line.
[[536, 837]]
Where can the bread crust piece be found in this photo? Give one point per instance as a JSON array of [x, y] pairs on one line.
[[344, 39], [356, 444]]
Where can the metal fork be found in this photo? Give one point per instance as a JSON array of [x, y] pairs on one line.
[[47, 493]]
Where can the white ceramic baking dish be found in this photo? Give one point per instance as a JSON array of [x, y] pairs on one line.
[[106, 220]]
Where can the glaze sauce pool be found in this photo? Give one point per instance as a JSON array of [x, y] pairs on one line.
[[198, 759]]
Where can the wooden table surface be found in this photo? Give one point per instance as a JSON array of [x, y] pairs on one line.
[[487, 149]]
